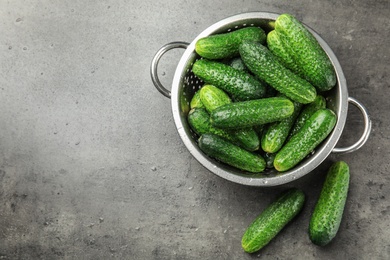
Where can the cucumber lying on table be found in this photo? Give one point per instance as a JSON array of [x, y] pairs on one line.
[[272, 220]]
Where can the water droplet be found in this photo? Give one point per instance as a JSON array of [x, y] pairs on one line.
[[153, 168], [9, 47]]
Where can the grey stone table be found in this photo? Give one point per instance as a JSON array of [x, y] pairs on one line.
[[92, 167]]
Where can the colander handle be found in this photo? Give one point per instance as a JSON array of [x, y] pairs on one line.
[[154, 65], [366, 133]]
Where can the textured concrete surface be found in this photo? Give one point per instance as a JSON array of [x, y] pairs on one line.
[[92, 167]]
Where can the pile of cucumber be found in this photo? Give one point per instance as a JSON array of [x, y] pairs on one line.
[[262, 104]]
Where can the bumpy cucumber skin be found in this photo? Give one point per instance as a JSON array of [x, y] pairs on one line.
[[251, 113], [225, 45], [309, 109], [199, 121], [195, 100], [276, 45], [307, 52], [275, 136], [327, 215], [238, 64], [213, 97], [272, 220], [313, 132], [261, 62], [231, 154], [238, 84], [247, 138]]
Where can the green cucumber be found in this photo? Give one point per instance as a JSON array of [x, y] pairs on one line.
[[195, 100], [277, 133], [276, 45], [309, 109], [272, 220], [199, 121], [265, 66], [225, 45], [238, 84], [247, 138], [313, 61], [313, 132], [213, 97], [328, 212], [238, 64], [231, 154], [251, 113]]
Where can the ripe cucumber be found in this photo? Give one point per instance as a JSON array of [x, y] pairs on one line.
[[212, 98], [276, 44], [306, 52], [277, 132], [328, 212], [272, 220], [247, 138], [231, 154], [251, 113], [309, 109], [313, 132], [238, 84], [265, 66], [238, 64], [225, 45], [199, 121], [195, 100]]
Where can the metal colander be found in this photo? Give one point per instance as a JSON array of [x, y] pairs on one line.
[[185, 84]]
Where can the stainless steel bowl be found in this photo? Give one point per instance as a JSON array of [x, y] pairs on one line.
[[185, 84]]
